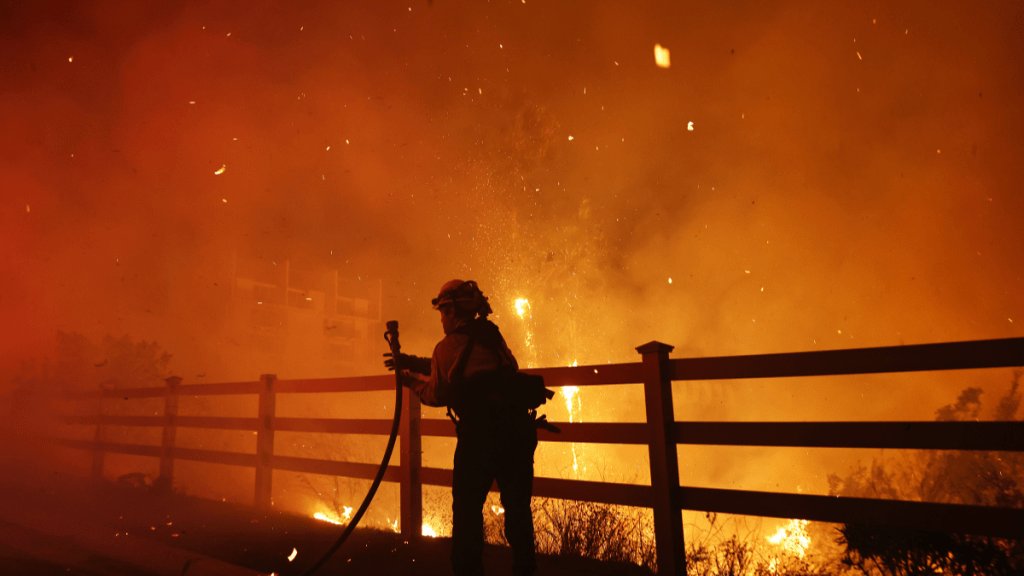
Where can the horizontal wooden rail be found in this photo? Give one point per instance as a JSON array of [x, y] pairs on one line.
[[111, 447], [214, 457], [589, 432], [994, 436], [213, 422], [219, 389], [596, 375], [223, 389], [1000, 353], [333, 468], [210, 456], [333, 426], [979, 520], [320, 385], [580, 490]]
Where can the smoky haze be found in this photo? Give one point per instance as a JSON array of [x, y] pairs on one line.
[[852, 177]]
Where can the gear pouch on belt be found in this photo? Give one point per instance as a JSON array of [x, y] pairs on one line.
[[523, 390]]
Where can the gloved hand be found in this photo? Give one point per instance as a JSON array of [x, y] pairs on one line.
[[407, 362]]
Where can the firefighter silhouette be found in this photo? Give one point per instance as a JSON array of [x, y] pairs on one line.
[[474, 374]]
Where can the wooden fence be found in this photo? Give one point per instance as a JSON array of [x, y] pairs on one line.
[[661, 433]]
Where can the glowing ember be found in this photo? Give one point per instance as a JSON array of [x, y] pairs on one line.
[[689, 126], [428, 531], [295, 552], [792, 537], [661, 56], [221, 169]]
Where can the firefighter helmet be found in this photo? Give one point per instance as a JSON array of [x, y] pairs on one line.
[[465, 295]]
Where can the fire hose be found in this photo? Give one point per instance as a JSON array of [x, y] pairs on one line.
[[391, 336]]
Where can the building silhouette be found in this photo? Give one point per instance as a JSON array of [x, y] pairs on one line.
[[304, 322]]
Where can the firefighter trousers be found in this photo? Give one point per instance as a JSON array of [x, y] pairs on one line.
[[493, 449]]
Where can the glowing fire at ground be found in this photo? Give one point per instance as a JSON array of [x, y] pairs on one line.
[[428, 531], [792, 537], [334, 520]]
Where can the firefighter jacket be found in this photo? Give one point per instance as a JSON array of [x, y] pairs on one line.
[[490, 353]]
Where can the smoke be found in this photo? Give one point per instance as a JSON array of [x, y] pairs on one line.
[[852, 176]]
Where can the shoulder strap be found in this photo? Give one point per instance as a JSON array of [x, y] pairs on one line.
[[489, 337], [457, 374]]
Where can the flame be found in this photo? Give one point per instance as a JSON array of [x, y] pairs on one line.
[[522, 305], [571, 392], [334, 520], [497, 510], [661, 56], [428, 531], [792, 537]]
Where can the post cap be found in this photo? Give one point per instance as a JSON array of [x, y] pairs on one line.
[[654, 346]]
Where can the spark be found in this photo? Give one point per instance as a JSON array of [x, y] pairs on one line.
[[689, 126], [221, 170], [570, 138], [295, 552], [669, 280], [70, 58], [28, 208], [328, 147], [191, 101], [661, 56], [859, 56], [224, 200]]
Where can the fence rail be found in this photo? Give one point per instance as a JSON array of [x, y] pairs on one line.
[[661, 433]]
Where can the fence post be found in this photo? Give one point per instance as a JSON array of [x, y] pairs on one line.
[[265, 442], [411, 460], [668, 521], [166, 479], [98, 455]]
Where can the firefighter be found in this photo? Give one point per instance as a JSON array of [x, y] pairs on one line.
[[496, 437]]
